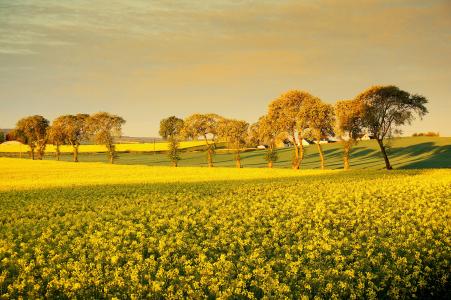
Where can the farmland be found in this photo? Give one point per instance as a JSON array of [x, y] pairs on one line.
[[134, 147], [405, 153], [93, 230]]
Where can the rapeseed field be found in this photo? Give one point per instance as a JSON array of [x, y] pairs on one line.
[[98, 231], [136, 147]]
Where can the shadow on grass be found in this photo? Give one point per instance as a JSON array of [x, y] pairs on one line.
[[414, 156]]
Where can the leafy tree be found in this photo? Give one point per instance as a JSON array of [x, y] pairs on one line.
[[104, 127], [170, 129], [348, 125], [170, 126], [253, 138], [385, 109], [56, 135], [203, 125], [287, 113], [32, 130], [235, 133], [2, 136], [173, 152], [74, 130], [320, 118], [266, 132]]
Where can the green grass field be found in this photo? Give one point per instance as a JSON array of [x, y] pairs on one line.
[[100, 231], [405, 153]]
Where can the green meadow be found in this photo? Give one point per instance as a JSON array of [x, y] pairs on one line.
[[404, 153]]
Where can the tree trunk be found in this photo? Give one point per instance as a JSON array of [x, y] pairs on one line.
[[346, 151], [111, 152], [238, 160], [321, 155], [174, 163], [75, 153], [270, 164], [301, 155], [301, 150], [32, 153], [295, 162], [209, 152], [41, 153], [384, 153], [57, 150], [210, 157]]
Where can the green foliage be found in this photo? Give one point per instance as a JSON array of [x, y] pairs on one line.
[[430, 133], [203, 125], [71, 130], [2, 136], [173, 152], [271, 155], [385, 109], [170, 127], [104, 127], [32, 130]]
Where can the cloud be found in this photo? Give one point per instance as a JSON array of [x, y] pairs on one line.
[[17, 51]]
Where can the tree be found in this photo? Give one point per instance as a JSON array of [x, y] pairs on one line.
[[56, 135], [104, 127], [320, 118], [385, 109], [235, 133], [170, 126], [348, 125], [286, 111], [2, 137], [203, 125], [74, 130], [33, 131], [266, 132], [173, 152], [170, 129]]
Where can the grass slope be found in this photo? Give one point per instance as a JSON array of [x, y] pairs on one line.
[[404, 153]]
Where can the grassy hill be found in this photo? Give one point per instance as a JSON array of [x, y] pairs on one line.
[[404, 153]]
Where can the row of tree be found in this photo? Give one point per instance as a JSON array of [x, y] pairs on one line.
[[36, 131], [297, 115]]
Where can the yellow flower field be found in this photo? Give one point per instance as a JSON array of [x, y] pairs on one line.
[[94, 230], [138, 147]]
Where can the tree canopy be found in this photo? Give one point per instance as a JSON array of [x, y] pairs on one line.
[[171, 126], [74, 130], [203, 125], [287, 114], [104, 127], [348, 125], [32, 130], [235, 133], [386, 108]]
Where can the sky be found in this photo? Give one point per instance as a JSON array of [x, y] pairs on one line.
[[147, 60]]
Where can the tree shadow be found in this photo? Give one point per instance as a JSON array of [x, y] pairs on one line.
[[418, 156], [437, 157]]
